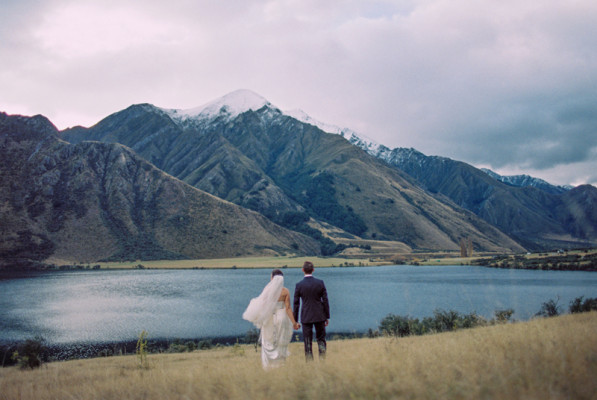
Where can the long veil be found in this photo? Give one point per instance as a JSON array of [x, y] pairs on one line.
[[262, 307]]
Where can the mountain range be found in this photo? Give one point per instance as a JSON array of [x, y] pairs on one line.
[[534, 213], [306, 178], [79, 203]]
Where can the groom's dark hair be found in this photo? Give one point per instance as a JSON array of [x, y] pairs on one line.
[[308, 267], [277, 272]]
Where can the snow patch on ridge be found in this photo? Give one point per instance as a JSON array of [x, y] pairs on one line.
[[367, 144], [243, 100], [302, 116], [240, 101], [526, 180]]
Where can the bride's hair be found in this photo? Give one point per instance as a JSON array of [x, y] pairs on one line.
[[277, 272]]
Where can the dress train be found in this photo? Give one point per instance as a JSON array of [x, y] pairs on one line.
[[276, 334]]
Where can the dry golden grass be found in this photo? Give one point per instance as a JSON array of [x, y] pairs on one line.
[[543, 359], [242, 262]]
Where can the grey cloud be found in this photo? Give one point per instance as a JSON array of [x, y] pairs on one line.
[[538, 135], [511, 84]]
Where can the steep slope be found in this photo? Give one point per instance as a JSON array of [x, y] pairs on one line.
[[536, 213], [278, 165], [93, 201], [341, 184], [578, 211], [187, 149], [536, 217]]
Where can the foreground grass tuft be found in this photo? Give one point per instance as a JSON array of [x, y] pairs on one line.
[[553, 358]]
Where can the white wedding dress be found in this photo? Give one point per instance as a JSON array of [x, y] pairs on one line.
[[269, 315]]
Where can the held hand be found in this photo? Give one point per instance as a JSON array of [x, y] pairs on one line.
[[327, 321], [296, 326]]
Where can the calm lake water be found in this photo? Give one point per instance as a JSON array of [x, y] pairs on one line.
[[106, 306]]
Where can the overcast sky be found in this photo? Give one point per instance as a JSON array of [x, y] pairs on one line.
[[509, 85]]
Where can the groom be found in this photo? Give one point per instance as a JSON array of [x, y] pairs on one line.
[[315, 311]]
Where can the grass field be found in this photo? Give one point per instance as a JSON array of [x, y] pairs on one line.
[[246, 262], [553, 358], [352, 258]]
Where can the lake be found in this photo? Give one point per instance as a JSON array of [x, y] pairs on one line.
[[115, 306]]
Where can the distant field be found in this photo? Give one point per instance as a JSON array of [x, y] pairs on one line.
[[357, 259], [553, 358], [247, 262], [479, 259]]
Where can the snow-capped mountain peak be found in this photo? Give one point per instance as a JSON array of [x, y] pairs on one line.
[[240, 101], [235, 103], [230, 106]]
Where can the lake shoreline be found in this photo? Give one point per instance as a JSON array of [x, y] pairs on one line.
[[573, 260], [272, 262], [84, 350], [96, 349]]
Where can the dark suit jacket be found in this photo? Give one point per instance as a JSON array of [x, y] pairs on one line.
[[314, 295]]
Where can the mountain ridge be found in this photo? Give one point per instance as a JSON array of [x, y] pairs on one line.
[[287, 167], [526, 181], [99, 201], [535, 216], [296, 158]]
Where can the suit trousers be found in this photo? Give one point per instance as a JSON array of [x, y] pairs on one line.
[[308, 338]]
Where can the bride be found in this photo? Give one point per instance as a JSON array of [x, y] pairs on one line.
[[271, 313]]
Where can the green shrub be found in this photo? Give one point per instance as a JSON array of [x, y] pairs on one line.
[[397, 325], [205, 345], [372, 334], [469, 321], [141, 350], [549, 309], [105, 353], [189, 346], [442, 321], [31, 353], [176, 347], [445, 321], [578, 305], [503, 316]]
